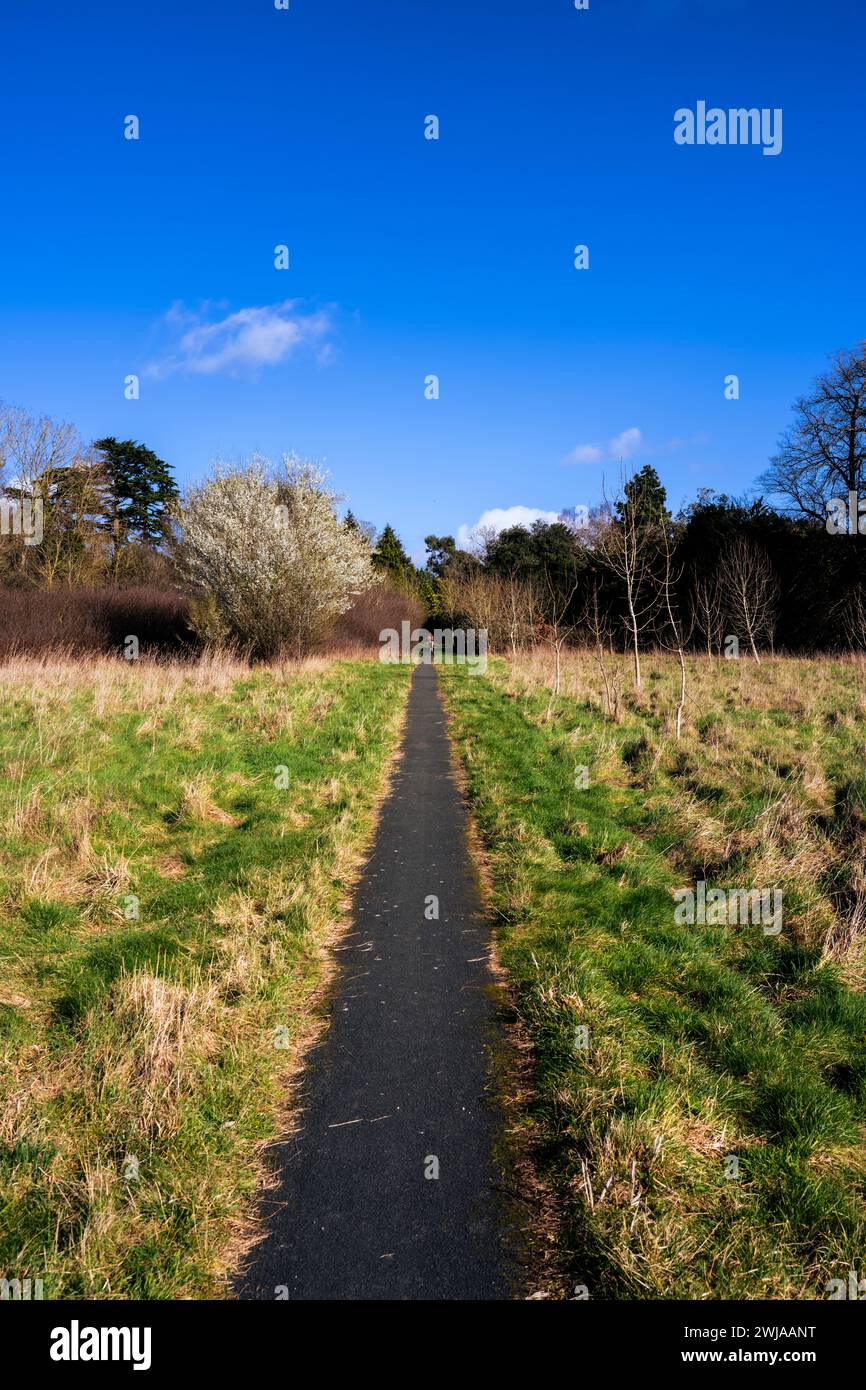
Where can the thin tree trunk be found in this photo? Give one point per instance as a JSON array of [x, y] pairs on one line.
[[634, 632], [682, 702]]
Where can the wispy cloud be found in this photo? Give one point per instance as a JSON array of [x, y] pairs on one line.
[[586, 453], [499, 519], [240, 343], [695, 441], [622, 446], [626, 445]]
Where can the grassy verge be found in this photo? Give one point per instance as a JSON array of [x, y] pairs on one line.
[[177, 846], [700, 1090]]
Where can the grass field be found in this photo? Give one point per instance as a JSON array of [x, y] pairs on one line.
[[700, 1090], [177, 845], [178, 841]]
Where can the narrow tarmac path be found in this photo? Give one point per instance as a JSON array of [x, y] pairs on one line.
[[397, 1089]]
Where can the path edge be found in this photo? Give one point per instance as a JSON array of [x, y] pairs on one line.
[[530, 1201], [250, 1225]]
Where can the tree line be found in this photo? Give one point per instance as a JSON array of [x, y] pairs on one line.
[[724, 573], [103, 511]]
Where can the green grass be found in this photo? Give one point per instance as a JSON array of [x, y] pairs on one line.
[[144, 1057], [705, 1044]]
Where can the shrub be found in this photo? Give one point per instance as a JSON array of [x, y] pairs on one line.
[[92, 620], [372, 613], [264, 548]]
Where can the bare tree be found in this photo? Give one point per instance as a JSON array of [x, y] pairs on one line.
[[851, 612], [595, 619], [33, 451], [707, 611], [480, 542], [506, 607], [46, 462], [674, 633], [557, 628], [751, 591], [823, 454], [626, 544], [523, 608]]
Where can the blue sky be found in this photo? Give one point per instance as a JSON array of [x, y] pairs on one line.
[[410, 257]]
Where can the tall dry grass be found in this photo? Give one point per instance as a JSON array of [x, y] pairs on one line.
[[767, 781]]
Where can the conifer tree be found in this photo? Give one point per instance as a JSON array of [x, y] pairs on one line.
[[390, 558], [143, 489]]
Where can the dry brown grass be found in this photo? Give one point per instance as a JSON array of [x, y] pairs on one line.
[[198, 804], [163, 906], [705, 1042], [151, 680], [163, 1031], [752, 785]]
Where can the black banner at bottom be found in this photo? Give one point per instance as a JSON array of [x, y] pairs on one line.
[[83, 1340]]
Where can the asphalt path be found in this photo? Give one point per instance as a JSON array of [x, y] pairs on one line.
[[388, 1188]]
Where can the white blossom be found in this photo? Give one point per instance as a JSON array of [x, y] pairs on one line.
[[265, 547]]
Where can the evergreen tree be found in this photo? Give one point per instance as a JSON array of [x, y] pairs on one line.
[[143, 488], [440, 550], [545, 549], [390, 558], [360, 528], [645, 494]]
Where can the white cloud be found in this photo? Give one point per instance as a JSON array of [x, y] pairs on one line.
[[625, 444], [240, 344], [499, 519], [622, 446], [586, 453]]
